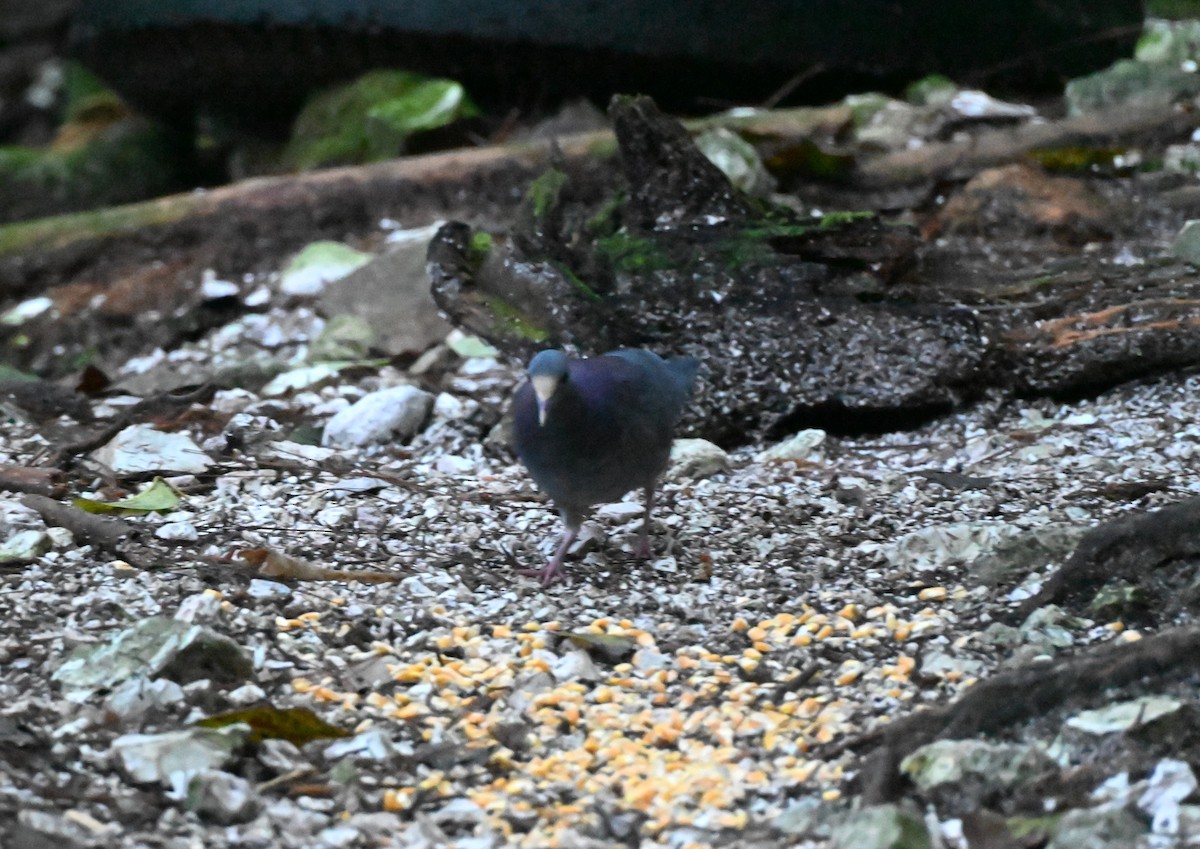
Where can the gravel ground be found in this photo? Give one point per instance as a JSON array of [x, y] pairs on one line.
[[680, 702]]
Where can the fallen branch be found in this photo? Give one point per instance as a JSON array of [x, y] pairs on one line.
[[1129, 547], [108, 534], [105, 532], [961, 159], [145, 409], [241, 224], [47, 482], [1084, 678]]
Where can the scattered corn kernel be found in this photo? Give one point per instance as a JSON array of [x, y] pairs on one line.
[[848, 677], [398, 799]]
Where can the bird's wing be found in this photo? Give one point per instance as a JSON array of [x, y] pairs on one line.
[[665, 384]]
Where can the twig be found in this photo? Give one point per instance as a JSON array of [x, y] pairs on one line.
[[48, 482], [139, 411], [106, 532]]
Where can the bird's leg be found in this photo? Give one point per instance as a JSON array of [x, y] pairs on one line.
[[642, 550], [554, 569]]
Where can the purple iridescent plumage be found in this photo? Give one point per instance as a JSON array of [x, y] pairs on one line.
[[591, 430]]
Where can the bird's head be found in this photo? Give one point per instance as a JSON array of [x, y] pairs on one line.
[[547, 371]]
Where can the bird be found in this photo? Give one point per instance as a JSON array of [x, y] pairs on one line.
[[590, 430]]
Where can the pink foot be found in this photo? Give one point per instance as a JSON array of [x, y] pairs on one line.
[[641, 550], [549, 574], [554, 570]]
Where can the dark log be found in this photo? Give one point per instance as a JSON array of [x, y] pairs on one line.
[[255, 223], [1081, 680], [37, 481], [1129, 548]]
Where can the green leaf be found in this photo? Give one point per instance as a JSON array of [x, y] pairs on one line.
[[370, 118], [469, 346], [159, 497], [427, 106]]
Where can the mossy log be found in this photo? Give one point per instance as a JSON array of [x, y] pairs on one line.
[[253, 223]]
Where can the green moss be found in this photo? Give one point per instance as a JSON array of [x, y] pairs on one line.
[[774, 229], [482, 242], [606, 220], [481, 245], [574, 279], [100, 166], [15, 160], [59, 230], [512, 321], [752, 244], [631, 253], [1077, 160], [830, 220], [542, 194]]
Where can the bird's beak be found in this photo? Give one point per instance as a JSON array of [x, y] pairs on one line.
[[543, 387]]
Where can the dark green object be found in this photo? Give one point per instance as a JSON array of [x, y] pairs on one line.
[[103, 155], [373, 117], [542, 194], [296, 725]]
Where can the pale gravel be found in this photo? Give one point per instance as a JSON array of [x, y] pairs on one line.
[[748, 544]]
